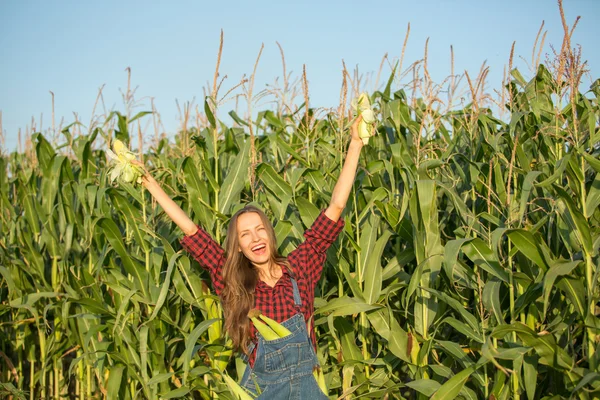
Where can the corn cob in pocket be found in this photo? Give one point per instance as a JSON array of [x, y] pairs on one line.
[[268, 328]]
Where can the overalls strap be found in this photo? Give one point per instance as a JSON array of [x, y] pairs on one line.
[[297, 298], [251, 346]]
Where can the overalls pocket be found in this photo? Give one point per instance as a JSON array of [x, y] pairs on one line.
[[288, 356]]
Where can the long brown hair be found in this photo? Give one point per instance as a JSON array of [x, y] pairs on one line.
[[240, 278]]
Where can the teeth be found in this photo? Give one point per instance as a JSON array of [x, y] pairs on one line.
[[260, 247]]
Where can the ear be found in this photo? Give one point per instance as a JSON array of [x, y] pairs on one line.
[[239, 249]]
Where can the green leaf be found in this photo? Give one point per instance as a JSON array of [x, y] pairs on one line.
[[429, 253], [237, 118], [370, 258], [165, 287], [144, 351], [114, 236], [161, 377], [491, 298], [176, 394], [560, 268], [530, 367], [451, 250], [208, 111], [460, 309], [346, 333], [388, 328], [377, 195], [501, 331], [345, 306], [132, 216], [425, 386], [45, 152], [10, 283], [545, 345], [308, 211], [592, 202], [483, 257], [289, 150], [590, 377], [462, 328], [190, 344], [271, 179], [560, 167], [124, 304], [593, 161], [192, 171], [456, 352], [526, 191], [527, 244], [317, 181], [93, 305], [235, 180], [452, 387], [114, 382], [140, 115], [575, 291], [575, 220]]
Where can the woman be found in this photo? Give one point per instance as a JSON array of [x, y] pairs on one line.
[[251, 274]]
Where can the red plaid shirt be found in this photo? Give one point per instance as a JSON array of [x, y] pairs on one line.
[[277, 302]]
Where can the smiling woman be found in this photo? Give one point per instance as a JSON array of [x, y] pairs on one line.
[[255, 241], [251, 273]]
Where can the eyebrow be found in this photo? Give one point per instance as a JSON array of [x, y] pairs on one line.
[[255, 226]]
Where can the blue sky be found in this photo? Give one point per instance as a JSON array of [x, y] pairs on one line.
[[72, 48]]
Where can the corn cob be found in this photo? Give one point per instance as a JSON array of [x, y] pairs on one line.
[[271, 330], [279, 329], [236, 390], [122, 168], [362, 106], [264, 329]]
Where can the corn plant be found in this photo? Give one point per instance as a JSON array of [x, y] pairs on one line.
[[468, 265]]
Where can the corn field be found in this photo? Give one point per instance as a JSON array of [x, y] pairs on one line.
[[467, 268]]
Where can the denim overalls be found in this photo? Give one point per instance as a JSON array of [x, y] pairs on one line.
[[283, 368]]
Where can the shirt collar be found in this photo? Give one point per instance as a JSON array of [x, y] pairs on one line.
[[285, 277]]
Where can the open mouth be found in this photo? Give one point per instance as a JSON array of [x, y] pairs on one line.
[[259, 249]]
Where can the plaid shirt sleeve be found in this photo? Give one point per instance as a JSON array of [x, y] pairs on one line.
[[208, 253], [309, 257]]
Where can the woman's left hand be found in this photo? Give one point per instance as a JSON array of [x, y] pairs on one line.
[[354, 130]]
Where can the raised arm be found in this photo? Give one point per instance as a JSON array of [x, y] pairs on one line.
[[171, 208], [346, 179], [196, 241], [308, 258]]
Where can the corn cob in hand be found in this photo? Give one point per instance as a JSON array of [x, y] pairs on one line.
[[123, 167], [366, 126]]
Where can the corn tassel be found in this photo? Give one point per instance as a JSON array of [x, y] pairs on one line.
[[236, 390]]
